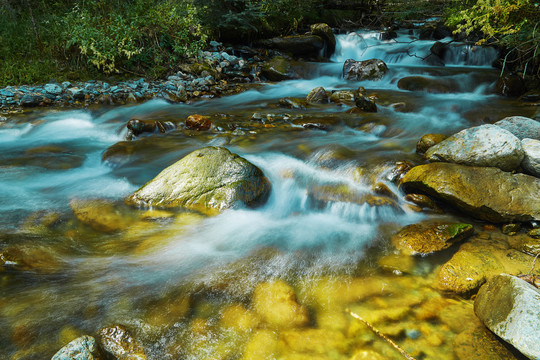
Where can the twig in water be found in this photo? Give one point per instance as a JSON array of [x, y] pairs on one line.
[[378, 333]]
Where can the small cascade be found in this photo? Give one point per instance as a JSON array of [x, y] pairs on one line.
[[408, 50]]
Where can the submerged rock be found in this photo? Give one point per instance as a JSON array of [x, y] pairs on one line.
[[83, 348], [480, 344], [477, 261], [276, 303], [522, 127], [343, 97], [101, 215], [372, 69], [209, 180], [118, 342], [279, 68], [485, 145], [531, 160], [485, 193], [365, 104], [430, 85], [510, 307], [428, 141], [425, 238]]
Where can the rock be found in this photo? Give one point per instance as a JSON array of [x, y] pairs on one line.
[[29, 100], [343, 97], [101, 215], [532, 96], [424, 238], [76, 93], [297, 45], [118, 342], [239, 318], [314, 341], [399, 170], [531, 161], [279, 68], [439, 49], [37, 259], [291, 103], [137, 127], [430, 85], [372, 69], [534, 233], [389, 35], [83, 348], [510, 229], [422, 201], [480, 344], [528, 243], [510, 307], [365, 104], [510, 85], [317, 96], [276, 303], [54, 89], [485, 193], [428, 141], [325, 32], [321, 195], [522, 127], [477, 261], [485, 145], [198, 122], [209, 180]]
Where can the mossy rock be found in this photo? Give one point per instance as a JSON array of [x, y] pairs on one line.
[[209, 180]]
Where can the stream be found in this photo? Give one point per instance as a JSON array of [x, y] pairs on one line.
[[183, 282]]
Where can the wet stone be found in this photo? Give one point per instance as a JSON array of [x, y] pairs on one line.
[[118, 342], [428, 141], [480, 344], [83, 348]]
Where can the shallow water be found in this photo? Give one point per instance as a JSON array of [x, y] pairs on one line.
[[182, 282]]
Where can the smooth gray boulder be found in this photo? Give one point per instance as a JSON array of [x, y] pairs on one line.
[[531, 160], [485, 145], [209, 180], [82, 348], [510, 307], [520, 126]]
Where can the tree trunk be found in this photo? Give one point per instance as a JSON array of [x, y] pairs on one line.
[[34, 25]]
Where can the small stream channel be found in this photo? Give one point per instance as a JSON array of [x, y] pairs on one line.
[[179, 280]]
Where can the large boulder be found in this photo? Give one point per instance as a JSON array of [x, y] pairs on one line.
[[522, 127], [485, 193], [325, 32], [485, 145], [297, 45], [425, 238], [478, 260], [372, 69], [83, 348], [531, 161], [208, 180], [510, 307]]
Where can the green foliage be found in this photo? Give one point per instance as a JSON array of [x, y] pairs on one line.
[[514, 24]]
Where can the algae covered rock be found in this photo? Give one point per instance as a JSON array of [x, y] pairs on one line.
[[510, 307], [480, 344], [485, 145], [83, 348], [425, 238], [279, 68], [317, 96], [484, 192], [276, 303], [477, 261], [428, 141], [372, 69], [118, 342], [208, 180], [325, 32], [101, 215]]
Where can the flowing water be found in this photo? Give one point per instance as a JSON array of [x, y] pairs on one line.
[[182, 282]]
